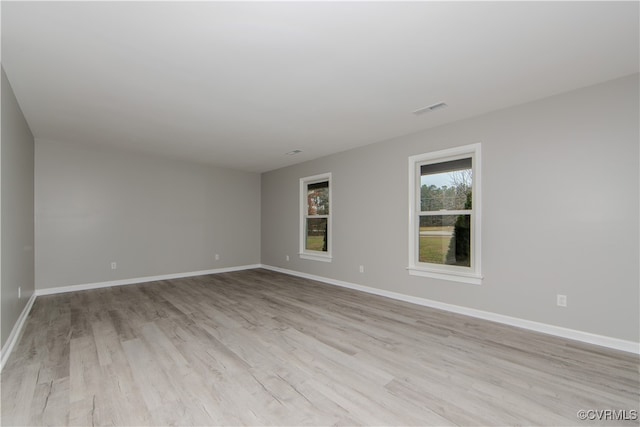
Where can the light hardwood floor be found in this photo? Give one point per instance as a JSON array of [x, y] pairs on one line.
[[263, 348]]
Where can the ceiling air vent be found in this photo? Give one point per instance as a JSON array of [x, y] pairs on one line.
[[430, 108], [294, 152]]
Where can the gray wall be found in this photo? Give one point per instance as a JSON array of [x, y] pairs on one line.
[[151, 215], [16, 211], [560, 212]]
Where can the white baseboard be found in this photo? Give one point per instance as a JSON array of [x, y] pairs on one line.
[[16, 331], [587, 337], [87, 286]]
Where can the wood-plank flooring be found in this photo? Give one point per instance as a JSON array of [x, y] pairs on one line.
[[263, 348]]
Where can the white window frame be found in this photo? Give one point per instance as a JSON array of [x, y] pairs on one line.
[[471, 274], [305, 253]]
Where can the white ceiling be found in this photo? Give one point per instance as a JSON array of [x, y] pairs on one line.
[[240, 84]]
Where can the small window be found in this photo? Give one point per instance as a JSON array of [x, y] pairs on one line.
[[444, 233], [315, 217]]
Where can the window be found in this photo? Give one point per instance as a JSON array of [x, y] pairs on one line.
[[315, 217], [444, 219]]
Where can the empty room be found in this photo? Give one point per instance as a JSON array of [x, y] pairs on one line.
[[320, 213]]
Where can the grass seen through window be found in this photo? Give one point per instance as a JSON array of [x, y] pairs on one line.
[[315, 243], [434, 243]]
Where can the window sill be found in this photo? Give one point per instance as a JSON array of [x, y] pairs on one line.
[[316, 257], [474, 279]]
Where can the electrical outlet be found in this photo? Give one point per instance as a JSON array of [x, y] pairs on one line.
[[287, 257], [217, 257], [362, 269], [19, 292], [114, 266], [561, 300]]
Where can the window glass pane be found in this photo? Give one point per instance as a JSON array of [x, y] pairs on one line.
[[446, 189], [318, 198], [316, 234], [445, 239]]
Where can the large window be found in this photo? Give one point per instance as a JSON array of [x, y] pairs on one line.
[[444, 225], [315, 217]]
